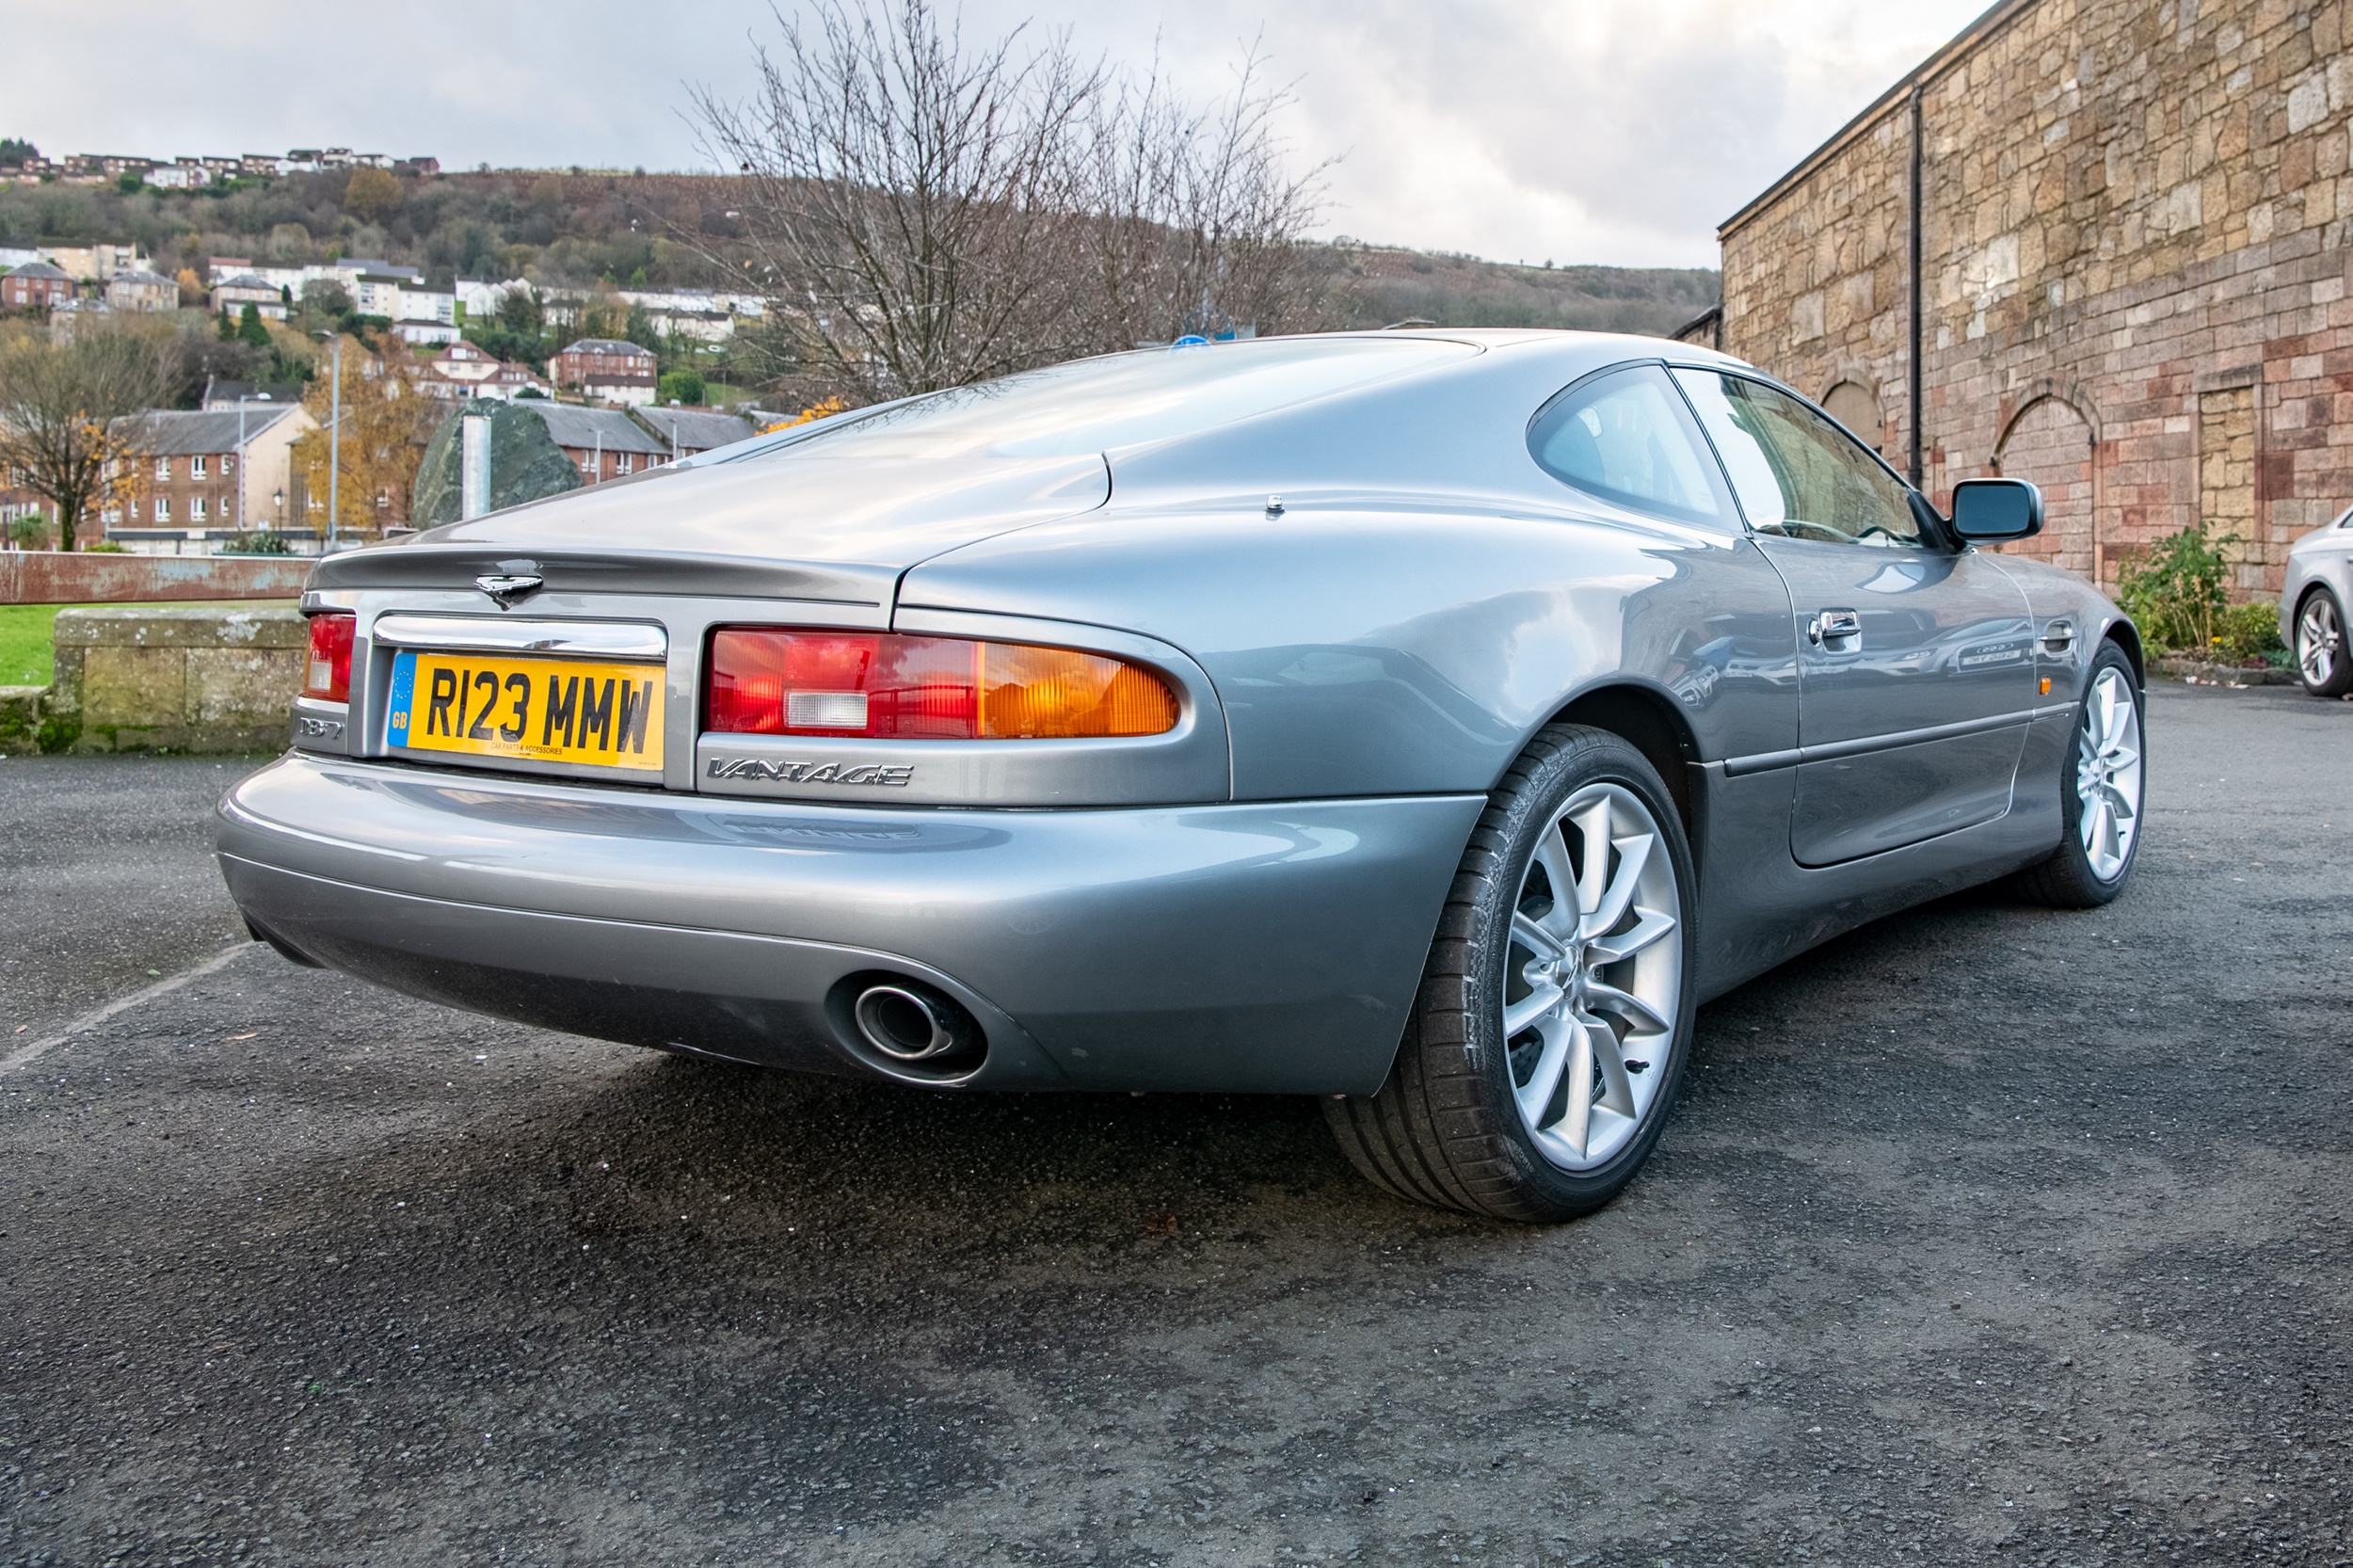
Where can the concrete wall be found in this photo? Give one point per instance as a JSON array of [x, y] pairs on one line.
[[2136, 227], [195, 678], [77, 577]]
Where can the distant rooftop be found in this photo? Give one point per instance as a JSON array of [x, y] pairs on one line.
[[171, 432], [605, 346], [584, 429]]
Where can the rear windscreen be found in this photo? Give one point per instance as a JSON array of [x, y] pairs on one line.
[[1126, 399]]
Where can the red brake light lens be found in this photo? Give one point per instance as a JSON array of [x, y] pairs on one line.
[[328, 672], [882, 686]]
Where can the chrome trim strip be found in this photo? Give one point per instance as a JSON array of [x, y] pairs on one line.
[[1764, 762], [478, 633]]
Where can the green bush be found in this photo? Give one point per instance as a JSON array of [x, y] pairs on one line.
[[2248, 631], [30, 533], [682, 386], [104, 547], [262, 541], [2177, 596]]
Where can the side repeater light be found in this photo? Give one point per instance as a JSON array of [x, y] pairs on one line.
[[883, 686]]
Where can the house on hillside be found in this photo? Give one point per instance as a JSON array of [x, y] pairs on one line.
[[607, 369], [602, 443], [35, 283], [464, 370], [688, 431], [138, 292], [2096, 244], [91, 261], [201, 471], [245, 289]]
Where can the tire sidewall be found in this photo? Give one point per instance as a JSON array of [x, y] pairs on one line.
[[1598, 760]]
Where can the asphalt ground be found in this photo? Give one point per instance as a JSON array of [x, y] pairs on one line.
[[1985, 1235]]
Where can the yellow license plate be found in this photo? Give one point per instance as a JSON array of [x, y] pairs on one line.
[[546, 709]]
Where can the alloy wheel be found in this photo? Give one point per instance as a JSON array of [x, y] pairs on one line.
[[2319, 640], [2107, 774], [1592, 986]]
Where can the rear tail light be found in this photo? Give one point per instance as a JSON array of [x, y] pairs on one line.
[[328, 672], [882, 686]]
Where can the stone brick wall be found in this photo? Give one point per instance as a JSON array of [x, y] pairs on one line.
[[210, 679], [2135, 226], [81, 577]]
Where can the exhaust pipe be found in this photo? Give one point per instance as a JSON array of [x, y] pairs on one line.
[[908, 1022]]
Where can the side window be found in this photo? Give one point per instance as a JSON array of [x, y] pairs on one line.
[[1796, 472], [1627, 437]]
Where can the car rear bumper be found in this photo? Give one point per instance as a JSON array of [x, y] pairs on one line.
[[1269, 947]]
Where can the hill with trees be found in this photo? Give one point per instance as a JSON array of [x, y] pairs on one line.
[[577, 228]]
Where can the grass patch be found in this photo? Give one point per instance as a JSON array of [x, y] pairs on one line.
[[24, 648]]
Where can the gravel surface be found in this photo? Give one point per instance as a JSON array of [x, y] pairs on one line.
[[1985, 1235]]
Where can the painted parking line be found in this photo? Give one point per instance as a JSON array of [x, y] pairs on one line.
[[98, 1015]]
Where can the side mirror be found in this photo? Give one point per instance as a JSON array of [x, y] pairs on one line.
[[1996, 510]]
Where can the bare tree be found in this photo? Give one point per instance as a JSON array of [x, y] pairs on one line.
[[925, 215], [64, 430]]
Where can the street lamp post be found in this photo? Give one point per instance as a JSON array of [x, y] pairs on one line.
[[334, 439]]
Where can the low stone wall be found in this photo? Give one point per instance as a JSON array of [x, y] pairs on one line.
[[77, 577], [201, 678]]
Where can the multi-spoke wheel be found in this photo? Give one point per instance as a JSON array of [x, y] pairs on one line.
[[1554, 1015], [2321, 656], [2100, 797], [1593, 981]]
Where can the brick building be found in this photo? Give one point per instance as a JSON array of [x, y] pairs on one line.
[[608, 369], [201, 471], [35, 283], [2097, 244], [602, 443]]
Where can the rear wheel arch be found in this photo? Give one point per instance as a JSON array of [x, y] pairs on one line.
[[1649, 721]]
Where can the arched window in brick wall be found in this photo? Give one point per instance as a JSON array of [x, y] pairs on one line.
[[1852, 404], [2051, 444]]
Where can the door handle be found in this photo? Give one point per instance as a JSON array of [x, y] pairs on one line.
[[2059, 636], [1837, 631]]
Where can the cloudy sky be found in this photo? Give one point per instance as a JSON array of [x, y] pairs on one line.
[[1615, 131]]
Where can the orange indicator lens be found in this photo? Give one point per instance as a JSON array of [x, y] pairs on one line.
[[882, 686]]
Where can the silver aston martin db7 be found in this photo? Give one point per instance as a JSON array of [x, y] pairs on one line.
[[1424, 721]]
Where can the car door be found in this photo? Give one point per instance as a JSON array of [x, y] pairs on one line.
[[1915, 666]]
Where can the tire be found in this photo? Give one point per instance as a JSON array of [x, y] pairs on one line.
[[2322, 660], [2102, 775], [1601, 979]]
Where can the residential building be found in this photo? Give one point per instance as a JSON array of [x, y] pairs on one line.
[[687, 431], [35, 283], [245, 289], [2132, 277], [602, 443], [65, 319], [142, 292], [463, 370], [179, 174], [91, 262], [209, 470], [607, 369]]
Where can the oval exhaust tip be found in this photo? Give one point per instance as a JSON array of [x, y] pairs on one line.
[[909, 1024]]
